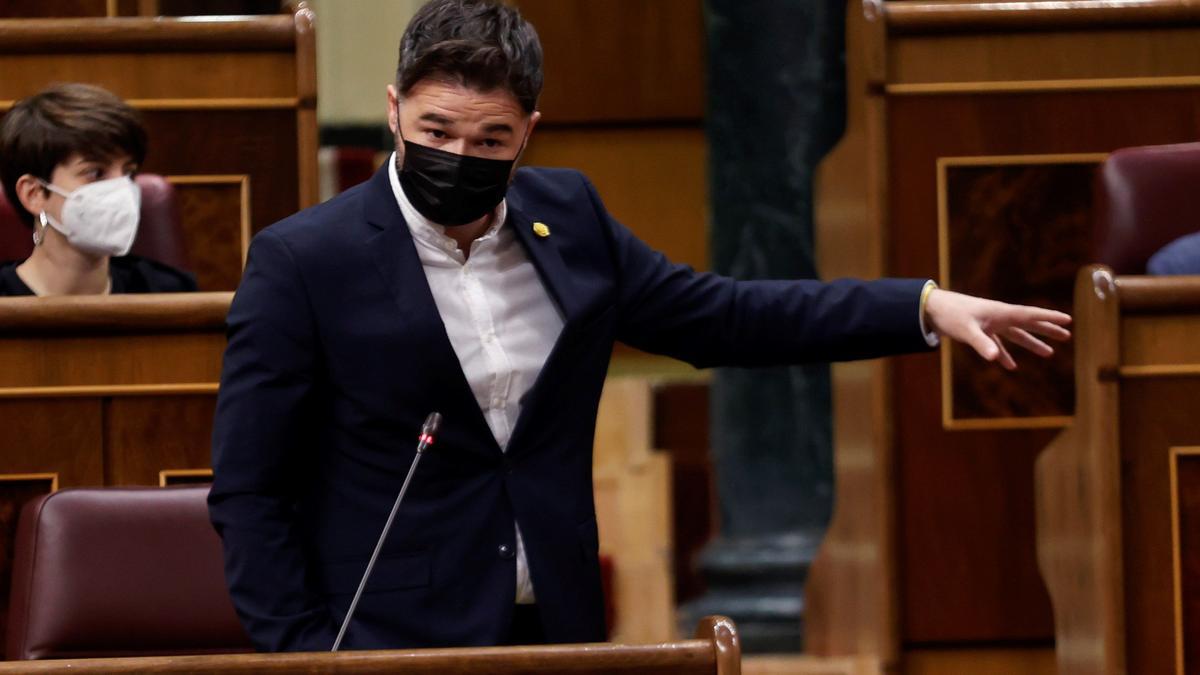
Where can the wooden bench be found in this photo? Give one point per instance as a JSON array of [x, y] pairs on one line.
[[1118, 493]]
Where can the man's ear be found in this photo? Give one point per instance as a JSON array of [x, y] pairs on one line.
[[393, 111], [533, 120], [31, 193]]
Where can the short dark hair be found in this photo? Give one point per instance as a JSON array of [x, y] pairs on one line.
[[46, 129], [481, 43]]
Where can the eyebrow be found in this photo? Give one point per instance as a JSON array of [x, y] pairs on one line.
[[436, 119], [498, 128]]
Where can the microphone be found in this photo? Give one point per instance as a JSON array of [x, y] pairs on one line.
[[429, 431]]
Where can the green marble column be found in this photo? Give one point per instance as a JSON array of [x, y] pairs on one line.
[[776, 107]]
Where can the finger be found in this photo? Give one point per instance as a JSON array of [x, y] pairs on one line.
[[1024, 339], [981, 343], [1047, 329], [1006, 359]]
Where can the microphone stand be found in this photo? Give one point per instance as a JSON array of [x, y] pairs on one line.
[[428, 433]]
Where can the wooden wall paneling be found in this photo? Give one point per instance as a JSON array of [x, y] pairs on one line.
[[208, 206], [1012, 228], [620, 60], [144, 436], [267, 154], [653, 180], [1156, 415], [146, 79], [969, 541], [104, 365]]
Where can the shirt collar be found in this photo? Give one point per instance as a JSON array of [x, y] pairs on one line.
[[426, 229]]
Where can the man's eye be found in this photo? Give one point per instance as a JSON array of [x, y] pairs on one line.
[[437, 133], [491, 143]]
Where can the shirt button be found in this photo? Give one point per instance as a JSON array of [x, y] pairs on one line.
[[497, 403], [506, 551]]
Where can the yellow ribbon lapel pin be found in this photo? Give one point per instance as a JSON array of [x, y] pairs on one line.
[[541, 229]]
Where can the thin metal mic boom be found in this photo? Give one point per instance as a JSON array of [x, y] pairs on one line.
[[429, 432]]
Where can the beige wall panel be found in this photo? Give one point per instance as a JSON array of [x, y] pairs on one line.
[[357, 48], [652, 180]]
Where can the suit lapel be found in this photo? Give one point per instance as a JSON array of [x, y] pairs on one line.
[[543, 251], [395, 255]]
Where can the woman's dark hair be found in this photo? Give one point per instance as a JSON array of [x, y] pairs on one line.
[[46, 129], [481, 43]]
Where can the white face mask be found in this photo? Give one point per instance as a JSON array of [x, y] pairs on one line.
[[100, 218]]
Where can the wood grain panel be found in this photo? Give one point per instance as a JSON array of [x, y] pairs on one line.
[[1156, 415], [1144, 342], [144, 436], [653, 180], [111, 360], [1012, 229], [967, 564], [263, 75], [1092, 54], [260, 144], [1025, 661], [214, 215], [620, 60]]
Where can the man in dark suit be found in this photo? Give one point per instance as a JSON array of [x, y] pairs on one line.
[[450, 283]]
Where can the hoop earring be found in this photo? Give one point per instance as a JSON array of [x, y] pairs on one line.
[[39, 235]]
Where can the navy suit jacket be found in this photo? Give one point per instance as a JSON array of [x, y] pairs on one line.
[[337, 352]]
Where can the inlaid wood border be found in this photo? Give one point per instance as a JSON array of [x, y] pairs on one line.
[[31, 477], [1177, 580], [241, 180], [165, 476], [949, 422]]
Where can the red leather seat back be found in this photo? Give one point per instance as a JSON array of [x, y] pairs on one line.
[[1145, 199], [160, 235], [119, 572]]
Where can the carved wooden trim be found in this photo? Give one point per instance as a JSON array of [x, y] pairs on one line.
[[1147, 295]]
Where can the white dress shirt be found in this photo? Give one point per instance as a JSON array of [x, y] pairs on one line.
[[500, 319]]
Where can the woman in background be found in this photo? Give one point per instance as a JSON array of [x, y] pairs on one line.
[[67, 160]]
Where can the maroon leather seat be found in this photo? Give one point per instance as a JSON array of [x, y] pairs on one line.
[[159, 237], [1145, 198], [119, 572]]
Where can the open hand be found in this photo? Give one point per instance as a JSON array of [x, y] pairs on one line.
[[986, 325]]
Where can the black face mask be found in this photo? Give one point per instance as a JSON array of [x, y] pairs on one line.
[[451, 189]]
